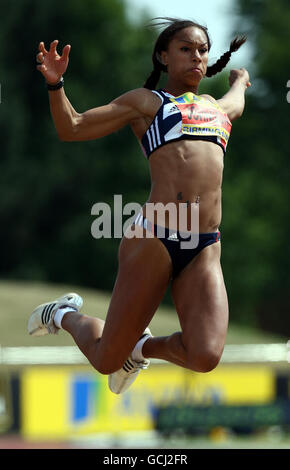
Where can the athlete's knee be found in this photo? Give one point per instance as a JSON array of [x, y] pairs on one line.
[[205, 360], [105, 370], [106, 366]]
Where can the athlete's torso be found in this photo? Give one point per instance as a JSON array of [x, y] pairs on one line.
[[185, 170]]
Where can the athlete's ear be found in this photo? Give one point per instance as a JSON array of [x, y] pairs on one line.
[[162, 58]]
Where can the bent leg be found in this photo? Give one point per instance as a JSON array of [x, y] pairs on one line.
[[86, 332], [144, 272], [201, 302], [143, 277]]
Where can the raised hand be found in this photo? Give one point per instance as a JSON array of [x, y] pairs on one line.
[[50, 63], [240, 74]]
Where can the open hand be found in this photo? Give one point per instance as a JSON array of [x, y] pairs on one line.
[[50, 63]]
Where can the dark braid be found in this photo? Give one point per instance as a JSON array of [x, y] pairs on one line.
[[154, 77], [152, 80], [162, 43], [225, 58]]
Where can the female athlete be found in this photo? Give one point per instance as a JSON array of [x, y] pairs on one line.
[[184, 136]]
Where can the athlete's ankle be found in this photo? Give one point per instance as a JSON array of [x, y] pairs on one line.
[[60, 313], [138, 352]]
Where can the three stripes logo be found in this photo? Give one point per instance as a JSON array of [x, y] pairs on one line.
[[46, 313], [128, 366], [153, 135]]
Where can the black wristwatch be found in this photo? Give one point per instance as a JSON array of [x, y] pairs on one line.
[[57, 86]]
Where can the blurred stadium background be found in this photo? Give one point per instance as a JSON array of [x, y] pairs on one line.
[[49, 396]]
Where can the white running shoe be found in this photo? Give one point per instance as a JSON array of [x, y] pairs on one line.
[[41, 323], [121, 380]]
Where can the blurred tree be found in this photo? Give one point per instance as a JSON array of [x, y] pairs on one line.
[[48, 187], [256, 254]]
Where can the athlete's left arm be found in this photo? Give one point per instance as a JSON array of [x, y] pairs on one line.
[[233, 102]]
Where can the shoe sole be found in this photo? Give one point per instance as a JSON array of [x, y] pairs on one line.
[[39, 332]]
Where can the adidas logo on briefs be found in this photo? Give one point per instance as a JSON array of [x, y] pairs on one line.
[[173, 237]]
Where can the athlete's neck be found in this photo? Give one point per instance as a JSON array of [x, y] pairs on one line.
[[177, 90]]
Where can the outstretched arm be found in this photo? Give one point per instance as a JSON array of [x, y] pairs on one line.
[[94, 123], [233, 102]]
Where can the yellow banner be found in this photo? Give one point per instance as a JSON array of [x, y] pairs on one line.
[[68, 401]]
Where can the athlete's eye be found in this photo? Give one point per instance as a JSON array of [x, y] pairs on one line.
[[203, 50], [184, 48]]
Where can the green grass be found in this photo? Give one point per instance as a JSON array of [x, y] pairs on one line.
[[19, 298]]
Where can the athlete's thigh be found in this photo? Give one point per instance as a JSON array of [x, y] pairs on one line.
[[201, 302], [143, 277]]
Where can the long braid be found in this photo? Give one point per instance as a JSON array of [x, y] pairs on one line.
[[154, 77], [225, 58], [152, 80]]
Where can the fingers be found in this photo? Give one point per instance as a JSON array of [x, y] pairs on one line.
[[65, 52], [40, 62], [42, 48], [40, 57], [53, 46], [41, 68], [50, 59]]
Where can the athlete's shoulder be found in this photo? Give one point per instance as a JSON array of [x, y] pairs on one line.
[[209, 98], [138, 97], [137, 94], [144, 101], [217, 103]]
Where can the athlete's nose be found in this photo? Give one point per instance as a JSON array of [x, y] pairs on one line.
[[196, 55]]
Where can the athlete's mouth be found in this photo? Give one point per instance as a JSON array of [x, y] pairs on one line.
[[195, 69]]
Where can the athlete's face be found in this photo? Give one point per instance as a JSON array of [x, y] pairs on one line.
[[187, 56]]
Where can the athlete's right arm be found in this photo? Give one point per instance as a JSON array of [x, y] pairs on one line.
[[96, 122]]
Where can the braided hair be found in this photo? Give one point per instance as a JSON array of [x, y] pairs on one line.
[[162, 43], [225, 58]]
